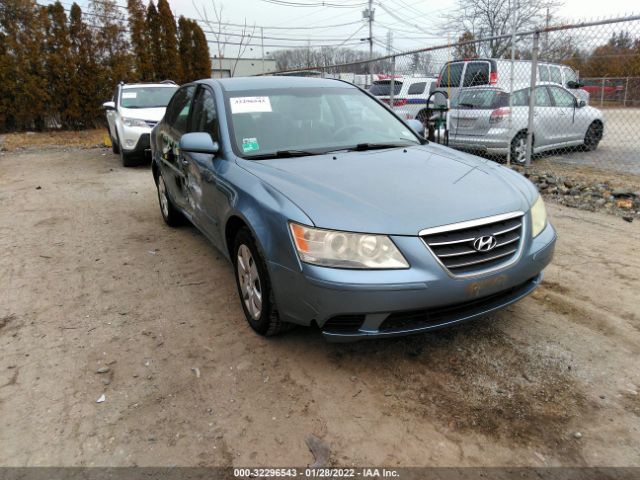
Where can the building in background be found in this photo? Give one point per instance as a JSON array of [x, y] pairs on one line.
[[245, 67]]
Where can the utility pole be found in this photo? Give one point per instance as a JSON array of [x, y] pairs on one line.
[[262, 42], [368, 14], [389, 42]]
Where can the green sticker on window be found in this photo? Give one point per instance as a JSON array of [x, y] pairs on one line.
[[250, 145]]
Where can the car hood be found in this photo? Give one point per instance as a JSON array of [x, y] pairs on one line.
[[395, 191], [153, 114]]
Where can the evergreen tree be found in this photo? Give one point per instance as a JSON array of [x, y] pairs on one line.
[[83, 108], [169, 66], [111, 46], [152, 38], [59, 67], [201, 58], [185, 47], [22, 24], [144, 69]]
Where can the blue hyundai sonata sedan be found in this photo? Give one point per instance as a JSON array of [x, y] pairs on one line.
[[334, 211]]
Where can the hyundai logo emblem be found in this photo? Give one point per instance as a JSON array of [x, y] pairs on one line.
[[485, 244]]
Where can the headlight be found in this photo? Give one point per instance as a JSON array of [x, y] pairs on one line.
[[538, 217], [330, 248], [134, 122]]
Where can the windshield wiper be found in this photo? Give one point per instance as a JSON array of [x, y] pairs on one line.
[[361, 147], [283, 154]]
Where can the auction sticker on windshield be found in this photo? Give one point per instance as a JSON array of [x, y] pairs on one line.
[[250, 145], [250, 104]]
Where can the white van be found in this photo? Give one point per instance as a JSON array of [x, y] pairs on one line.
[[410, 94], [497, 72]]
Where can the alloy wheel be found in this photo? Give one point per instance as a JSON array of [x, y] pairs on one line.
[[249, 280], [162, 195]]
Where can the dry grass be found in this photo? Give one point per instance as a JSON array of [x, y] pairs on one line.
[[78, 139]]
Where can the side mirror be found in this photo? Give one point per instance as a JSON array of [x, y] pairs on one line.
[[417, 126], [580, 103], [109, 105], [198, 142]]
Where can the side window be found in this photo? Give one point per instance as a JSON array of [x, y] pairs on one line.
[[417, 88], [205, 116], [451, 75], [569, 75], [520, 98], [543, 73], [555, 75], [562, 98], [477, 73], [178, 109], [542, 97]]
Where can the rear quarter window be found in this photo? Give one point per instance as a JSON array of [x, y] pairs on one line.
[[383, 87], [417, 88], [477, 73], [451, 75]]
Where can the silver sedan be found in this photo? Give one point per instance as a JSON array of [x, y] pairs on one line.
[[481, 119]]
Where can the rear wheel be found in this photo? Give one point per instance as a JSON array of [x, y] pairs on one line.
[[593, 136], [519, 148], [254, 286]]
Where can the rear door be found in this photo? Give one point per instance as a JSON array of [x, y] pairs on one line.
[[545, 122], [171, 130]]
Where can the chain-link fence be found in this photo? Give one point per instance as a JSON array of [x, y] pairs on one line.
[[475, 95]]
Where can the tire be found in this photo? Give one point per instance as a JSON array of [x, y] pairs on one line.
[[254, 286], [170, 214], [592, 137], [115, 146], [519, 148]]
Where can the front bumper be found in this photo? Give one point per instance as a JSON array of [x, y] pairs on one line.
[[349, 305], [135, 139]]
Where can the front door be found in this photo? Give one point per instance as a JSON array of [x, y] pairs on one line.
[[172, 128]]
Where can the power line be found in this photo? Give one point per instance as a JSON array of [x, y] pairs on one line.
[[286, 3]]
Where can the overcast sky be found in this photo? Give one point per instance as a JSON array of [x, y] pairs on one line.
[[288, 25]]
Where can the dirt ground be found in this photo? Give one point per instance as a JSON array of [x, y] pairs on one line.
[[91, 277]]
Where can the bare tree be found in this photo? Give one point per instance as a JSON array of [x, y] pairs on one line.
[[490, 18], [219, 29]]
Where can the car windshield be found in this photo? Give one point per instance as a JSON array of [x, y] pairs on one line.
[[146, 97], [305, 121], [480, 99]]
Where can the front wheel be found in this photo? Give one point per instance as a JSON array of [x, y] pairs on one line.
[[593, 136], [254, 286], [170, 214]]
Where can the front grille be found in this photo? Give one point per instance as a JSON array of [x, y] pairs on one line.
[[343, 323], [455, 250], [435, 316]]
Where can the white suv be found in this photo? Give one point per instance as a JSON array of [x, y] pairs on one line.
[[131, 114], [410, 95]]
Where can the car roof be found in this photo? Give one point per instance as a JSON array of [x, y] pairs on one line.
[[274, 81], [516, 86], [138, 85]]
